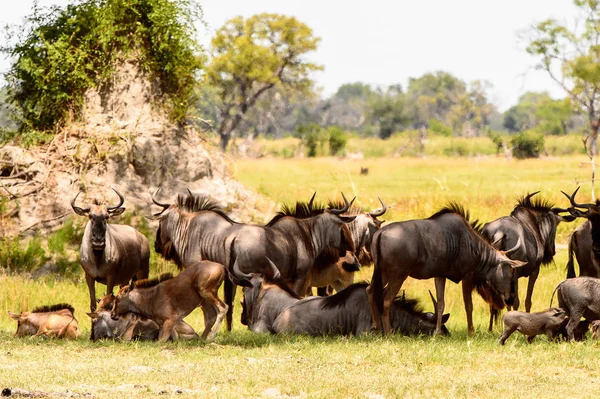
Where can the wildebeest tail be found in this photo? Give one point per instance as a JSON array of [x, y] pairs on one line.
[[377, 279], [571, 263], [233, 272]]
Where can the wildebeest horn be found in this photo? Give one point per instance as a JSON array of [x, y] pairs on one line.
[[572, 200], [310, 203], [78, 210], [344, 209], [165, 206], [381, 211], [276, 273], [237, 273], [121, 201], [189, 191], [434, 301], [528, 196], [514, 249]]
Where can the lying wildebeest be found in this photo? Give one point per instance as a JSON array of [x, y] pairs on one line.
[[52, 321], [167, 300], [111, 254], [579, 297], [270, 306], [130, 326], [444, 246], [532, 223], [585, 240], [548, 322], [194, 228]]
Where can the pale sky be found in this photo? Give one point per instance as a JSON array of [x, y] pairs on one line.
[[386, 42]]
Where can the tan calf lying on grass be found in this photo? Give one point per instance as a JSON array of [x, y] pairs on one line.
[[548, 322], [167, 300], [51, 321]]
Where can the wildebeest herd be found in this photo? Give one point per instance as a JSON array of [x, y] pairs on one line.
[[310, 245]]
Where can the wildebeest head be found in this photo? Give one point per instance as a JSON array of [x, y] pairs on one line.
[[99, 214], [121, 303], [500, 279]]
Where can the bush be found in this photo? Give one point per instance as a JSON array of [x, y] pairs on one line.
[[528, 144], [15, 259], [438, 127], [337, 140]]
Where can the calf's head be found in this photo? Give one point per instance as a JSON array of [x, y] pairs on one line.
[[24, 325], [99, 214]]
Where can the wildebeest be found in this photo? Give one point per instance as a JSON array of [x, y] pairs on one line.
[[532, 223], [167, 300], [129, 326], [111, 254], [270, 306], [444, 246], [579, 297], [585, 240], [548, 322], [194, 229], [52, 321]]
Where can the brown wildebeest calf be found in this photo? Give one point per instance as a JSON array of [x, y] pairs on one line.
[[167, 300], [52, 321]]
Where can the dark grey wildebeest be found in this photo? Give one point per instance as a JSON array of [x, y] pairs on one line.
[[585, 240], [444, 246], [579, 297], [193, 229], [110, 254], [530, 231]]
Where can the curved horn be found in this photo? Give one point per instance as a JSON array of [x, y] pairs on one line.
[[434, 301], [276, 273], [189, 191], [310, 203], [156, 201], [121, 201], [78, 210], [379, 212], [528, 196], [514, 249], [572, 200], [344, 209], [238, 273]]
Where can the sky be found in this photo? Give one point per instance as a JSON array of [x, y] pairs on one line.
[[387, 42]]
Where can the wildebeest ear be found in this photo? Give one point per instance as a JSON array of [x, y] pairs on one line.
[[567, 219], [16, 316], [516, 263], [116, 211], [347, 219], [93, 315], [97, 300], [445, 317], [558, 312]]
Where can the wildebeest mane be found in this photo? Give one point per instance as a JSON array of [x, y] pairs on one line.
[[200, 202], [53, 308], [280, 283], [534, 203], [341, 298], [299, 210], [151, 282], [455, 207]]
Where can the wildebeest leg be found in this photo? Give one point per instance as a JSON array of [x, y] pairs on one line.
[[210, 316], [467, 290], [229, 288], [516, 302], [91, 283], [440, 287], [165, 330], [491, 325], [532, 278], [389, 295]]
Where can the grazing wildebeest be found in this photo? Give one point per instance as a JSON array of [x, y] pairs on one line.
[[585, 240], [533, 223], [348, 313], [167, 300], [111, 254], [129, 326], [270, 306], [548, 322], [444, 246], [52, 321], [188, 232], [579, 297]]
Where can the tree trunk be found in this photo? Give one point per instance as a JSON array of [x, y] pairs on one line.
[[225, 137], [593, 152]]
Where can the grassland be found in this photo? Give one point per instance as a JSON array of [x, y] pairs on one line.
[[242, 364]]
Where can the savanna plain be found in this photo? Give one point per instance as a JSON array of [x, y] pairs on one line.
[[243, 364]]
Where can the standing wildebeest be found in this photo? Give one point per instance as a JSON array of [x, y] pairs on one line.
[[532, 223], [167, 300], [111, 254], [579, 297], [195, 229], [585, 240], [445, 246], [52, 321]]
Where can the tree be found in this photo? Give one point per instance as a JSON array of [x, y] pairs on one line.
[[571, 57], [388, 111], [252, 56], [540, 112], [59, 53]]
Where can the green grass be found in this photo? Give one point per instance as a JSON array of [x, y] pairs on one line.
[[243, 364]]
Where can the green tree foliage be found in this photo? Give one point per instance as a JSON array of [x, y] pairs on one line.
[[539, 111], [528, 144], [312, 136], [250, 57], [337, 140], [59, 53], [388, 111]]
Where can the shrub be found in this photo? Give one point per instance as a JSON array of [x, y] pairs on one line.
[[337, 140], [438, 127], [16, 259], [528, 144]]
